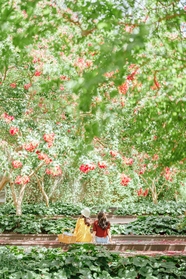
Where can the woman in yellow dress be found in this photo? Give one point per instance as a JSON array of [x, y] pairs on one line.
[[82, 229]]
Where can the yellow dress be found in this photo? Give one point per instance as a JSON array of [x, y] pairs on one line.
[[82, 231]]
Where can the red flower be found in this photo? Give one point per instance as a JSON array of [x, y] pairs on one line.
[[102, 165], [86, 168], [30, 146], [128, 161], [55, 171], [49, 138], [123, 88], [13, 85], [27, 86], [13, 131], [125, 180], [17, 164], [7, 117], [37, 73], [21, 180], [113, 153], [142, 193], [42, 156]]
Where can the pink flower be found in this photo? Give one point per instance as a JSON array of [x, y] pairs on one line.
[[128, 161], [13, 85], [113, 153], [155, 157], [142, 193], [44, 157], [56, 171], [125, 180], [86, 168], [123, 88], [37, 73], [30, 146], [7, 118], [27, 86], [102, 165], [21, 180], [13, 131], [49, 138], [16, 164]]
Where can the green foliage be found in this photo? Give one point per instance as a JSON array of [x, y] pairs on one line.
[[170, 208], [151, 226], [85, 261], [56, 208], [31, 224]]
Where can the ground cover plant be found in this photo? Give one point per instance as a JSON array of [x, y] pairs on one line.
[[57, 208], [86, 261], [30, 224], [152, 225], [170, 208]]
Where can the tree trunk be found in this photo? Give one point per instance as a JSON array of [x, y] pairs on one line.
[[4, 180], [18, 198]]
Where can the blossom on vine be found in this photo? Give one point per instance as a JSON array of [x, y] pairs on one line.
[[13, 131], [125, 179], [21, 180], [16, 164]]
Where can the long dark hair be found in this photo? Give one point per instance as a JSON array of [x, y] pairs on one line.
[[102, 220], [86, 220]]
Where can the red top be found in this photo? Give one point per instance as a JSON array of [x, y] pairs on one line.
[[99, 231]]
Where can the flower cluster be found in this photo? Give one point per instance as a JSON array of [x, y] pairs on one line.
[[125, 180], [123, 88], [54, 171], [86, 168], [16, 164], [102, 165], [21, 180], [113, 153], [168, 174], [27, 86], [13, 85], [142, 193], [128, 161], [43, 156], [13, 131], [30, 146], [49, 138], [7, 118]]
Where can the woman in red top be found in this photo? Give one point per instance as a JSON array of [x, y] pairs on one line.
[[101, 229]]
